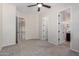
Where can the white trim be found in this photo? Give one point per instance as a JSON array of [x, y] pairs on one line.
[[53, 43], [74, 50]]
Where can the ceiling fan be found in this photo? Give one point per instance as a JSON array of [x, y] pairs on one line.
[[39, 6]]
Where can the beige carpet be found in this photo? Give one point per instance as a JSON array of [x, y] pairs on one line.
[[37, 48]]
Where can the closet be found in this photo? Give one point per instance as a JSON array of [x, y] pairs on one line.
[[20, 29]]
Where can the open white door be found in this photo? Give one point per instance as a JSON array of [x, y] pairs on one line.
[[61, 35]]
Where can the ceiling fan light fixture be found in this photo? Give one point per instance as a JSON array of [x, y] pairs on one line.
[[39, 5]]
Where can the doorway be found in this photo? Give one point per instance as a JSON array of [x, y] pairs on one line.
[[64, 33], [20, 29], [44, 28]]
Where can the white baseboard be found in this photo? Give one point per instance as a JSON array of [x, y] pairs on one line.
[[52, 42], [74, 50], [32, 39]]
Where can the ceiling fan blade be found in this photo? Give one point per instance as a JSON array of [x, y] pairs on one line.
[[38, 9], [47, 6], [32, 5]]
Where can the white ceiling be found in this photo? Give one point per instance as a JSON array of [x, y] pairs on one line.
[[22, 7]]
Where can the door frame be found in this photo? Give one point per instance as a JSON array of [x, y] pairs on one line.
[[70, 19]]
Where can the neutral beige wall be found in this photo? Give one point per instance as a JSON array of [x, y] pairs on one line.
[[0, 26], [9, 24], [75, 29], [31, 25]]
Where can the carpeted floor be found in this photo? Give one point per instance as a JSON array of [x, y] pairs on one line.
[[37, 48]]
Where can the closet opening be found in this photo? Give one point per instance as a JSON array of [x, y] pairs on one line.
[[20, 29]]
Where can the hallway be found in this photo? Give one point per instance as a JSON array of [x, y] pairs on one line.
[[37, 48]]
